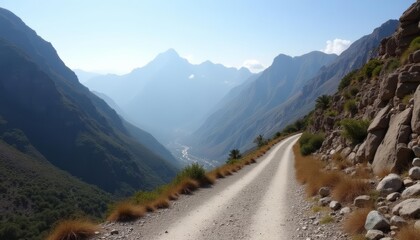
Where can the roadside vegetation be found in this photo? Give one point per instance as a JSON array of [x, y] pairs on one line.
[[186, 182]]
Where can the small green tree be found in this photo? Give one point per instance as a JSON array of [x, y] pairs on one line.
[[259, 140], [234, 154], [323, 102]]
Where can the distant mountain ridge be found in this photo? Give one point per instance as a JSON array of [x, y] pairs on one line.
[[169, 94], [230, 126], [72, 128], [250, 118]]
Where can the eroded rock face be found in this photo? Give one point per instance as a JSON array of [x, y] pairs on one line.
[[415, 120], [386, 154]]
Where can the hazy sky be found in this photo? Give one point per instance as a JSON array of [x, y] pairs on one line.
[[119, 35]]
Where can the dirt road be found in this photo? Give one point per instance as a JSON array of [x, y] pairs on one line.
[[252, 204]]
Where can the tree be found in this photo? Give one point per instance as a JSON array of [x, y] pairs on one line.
[[259, 140], [234, 154], [323, 102]]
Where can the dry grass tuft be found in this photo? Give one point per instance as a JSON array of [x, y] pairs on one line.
[[73, 230], [160, 203], [326, 219], [188, 186], [126, 211], [321, 179], [355, 222], [348, 188], [408, 233]]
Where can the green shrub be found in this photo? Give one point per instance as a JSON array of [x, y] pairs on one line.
[[350, 106], [414, 46], [309, 142], [331, 113], [391, 65], [194, 171], [368, 68], [407, 98], [353, 91], [354, 130], [323, 102], [377, 71], [144, 197], [346, 80]]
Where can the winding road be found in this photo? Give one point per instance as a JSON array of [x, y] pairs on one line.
[[251, 204]]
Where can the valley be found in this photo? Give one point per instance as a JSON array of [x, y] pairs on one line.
[[187, 120]]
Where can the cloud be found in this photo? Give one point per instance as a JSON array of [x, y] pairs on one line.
[[253, 65], [336, 46], [192, 76]]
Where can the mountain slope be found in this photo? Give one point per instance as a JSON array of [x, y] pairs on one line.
[[74, 129], [236, 123], [169, 95], [35, 194]]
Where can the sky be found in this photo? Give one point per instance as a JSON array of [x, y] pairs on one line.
[[116, 36]]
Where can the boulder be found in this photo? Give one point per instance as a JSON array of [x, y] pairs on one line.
[[389, 184], [414, 173], [405, 88], [392, 197], [324, 201], [416, 56], [416, 150], [409, 77], [388, 87], [408, 182], [360, 154], [374, 235], [375, 221], [415, 120], [416, 162], [411, 191], [334, 205], [386, 154], [403, 156], [324, 191], [408, 208], [410, 15], [398, 221], [345, 210], [381, 120], [362, 201], [372, 142]]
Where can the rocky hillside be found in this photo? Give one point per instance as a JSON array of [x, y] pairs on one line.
[[374, 120]]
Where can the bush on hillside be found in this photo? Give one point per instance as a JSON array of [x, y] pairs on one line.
[[368, 68], [350, 106], [309, 142], [194, 171], [323, 102], [354, 130], [414, 46], [346, 80]]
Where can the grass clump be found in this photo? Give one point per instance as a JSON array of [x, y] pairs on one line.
[[355, 222], [354, 130], [407, 98], [194, 171], [309, 142], [408, 233], [326, 219], [348, 188], [350, 106], [126, 211], [391, 65], [414, 46], [73, 230], [370, 67], [346, 80]]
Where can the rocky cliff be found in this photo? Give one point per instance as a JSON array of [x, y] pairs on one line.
[[385, 93]]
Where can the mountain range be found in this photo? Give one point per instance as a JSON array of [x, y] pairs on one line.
[[42, 104], [169, 96], [283, 93]]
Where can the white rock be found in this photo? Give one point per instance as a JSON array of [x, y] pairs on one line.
[[416, 162], [390, 183], [345, 210], [398, 221], [408, 208], [375, 221], [334, 205], [392, 197], [374, 235], [361, 201], [414, 173], [411, 191]]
